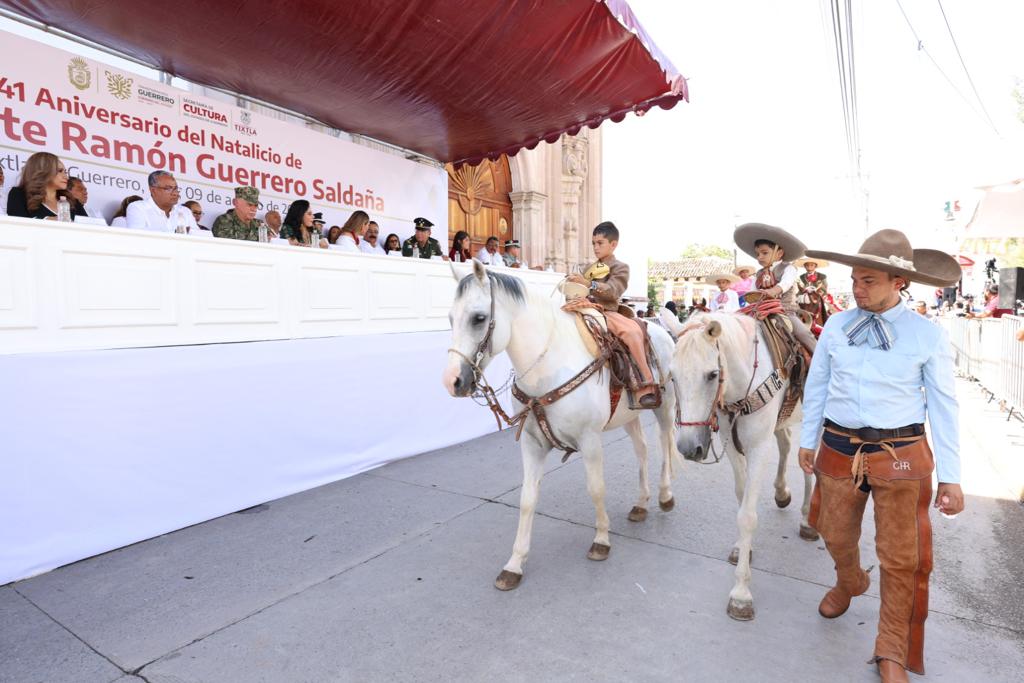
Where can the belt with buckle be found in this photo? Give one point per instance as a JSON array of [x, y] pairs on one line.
[[874, 435]]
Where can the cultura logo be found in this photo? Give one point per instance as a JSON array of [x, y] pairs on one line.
[[119, 86], [79, 74]]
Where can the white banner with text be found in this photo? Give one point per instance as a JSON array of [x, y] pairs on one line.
[[112, 128]]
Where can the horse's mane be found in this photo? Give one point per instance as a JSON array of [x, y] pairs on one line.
[[737, 334], [512, 286]]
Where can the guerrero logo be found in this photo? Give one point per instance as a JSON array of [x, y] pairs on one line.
[[119, 86], [155, 97], [79, 74]]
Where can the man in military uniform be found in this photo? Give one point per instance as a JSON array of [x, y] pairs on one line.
[[240, 222], [422, 241]]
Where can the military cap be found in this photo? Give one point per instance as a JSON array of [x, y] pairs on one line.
[[511, 243], [248, 193], [318, 218], [422, 224]]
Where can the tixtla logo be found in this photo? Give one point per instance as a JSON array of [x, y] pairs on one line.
[[244, 126], [79, 73]]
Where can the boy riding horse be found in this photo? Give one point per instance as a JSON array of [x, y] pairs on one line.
[[607, 279]]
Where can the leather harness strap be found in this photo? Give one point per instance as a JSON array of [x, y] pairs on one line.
[[535, 406]]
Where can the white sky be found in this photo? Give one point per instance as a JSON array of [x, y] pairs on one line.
[[762, 137]]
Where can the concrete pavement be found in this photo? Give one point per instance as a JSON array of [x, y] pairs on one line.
[[388, 576]]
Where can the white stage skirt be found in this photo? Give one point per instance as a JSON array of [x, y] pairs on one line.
[[101, 449]]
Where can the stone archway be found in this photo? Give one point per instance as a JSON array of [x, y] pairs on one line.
[[479, 203]]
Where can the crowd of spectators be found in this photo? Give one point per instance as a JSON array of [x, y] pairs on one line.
[[44, 183]]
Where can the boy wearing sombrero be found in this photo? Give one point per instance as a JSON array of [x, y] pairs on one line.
[[774, 248], [726, 301], [865, 390], [813, 287]]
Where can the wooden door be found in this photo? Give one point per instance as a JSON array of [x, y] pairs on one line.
[[478, 202]]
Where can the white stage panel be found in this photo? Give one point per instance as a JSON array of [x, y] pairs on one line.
[[102, 449]]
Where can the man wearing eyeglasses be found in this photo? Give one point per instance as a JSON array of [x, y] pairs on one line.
[[162, 212]]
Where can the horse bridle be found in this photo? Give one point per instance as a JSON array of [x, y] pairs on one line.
[[483, 348], [716, 405]]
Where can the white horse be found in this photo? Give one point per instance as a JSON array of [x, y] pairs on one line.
[[720, 359], [495, 313]]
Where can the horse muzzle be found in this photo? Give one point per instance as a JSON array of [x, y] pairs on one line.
[[694, 443], [460, 381]]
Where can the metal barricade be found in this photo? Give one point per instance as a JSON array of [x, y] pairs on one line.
[[987, 350], [1011, 371]]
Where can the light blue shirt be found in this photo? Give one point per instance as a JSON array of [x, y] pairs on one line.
[[862, 386]]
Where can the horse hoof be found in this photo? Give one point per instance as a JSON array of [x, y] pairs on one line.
[[741, 610], [637, 514], [784, 502], [667, 505], [734, 556], [598, 552], [507, 580], [809, 533]]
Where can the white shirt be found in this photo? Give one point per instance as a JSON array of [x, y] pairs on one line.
[[488, 259], [346, 243], [119, 222], [727, 302], [146, 215], [368, 248], [862, 386], [789, 276]]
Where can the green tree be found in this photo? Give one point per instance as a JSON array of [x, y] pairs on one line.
[[699, 250], [652, 293]]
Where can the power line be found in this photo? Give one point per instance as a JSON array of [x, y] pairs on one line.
[[964, 65], [922, 48]]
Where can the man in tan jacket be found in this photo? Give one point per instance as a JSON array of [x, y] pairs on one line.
[[607, 278]]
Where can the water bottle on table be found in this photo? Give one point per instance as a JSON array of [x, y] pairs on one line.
[[63, 210]]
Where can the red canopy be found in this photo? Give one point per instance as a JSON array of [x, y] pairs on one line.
[[456, 80]]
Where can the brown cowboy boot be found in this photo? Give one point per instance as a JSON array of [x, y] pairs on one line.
[[837, 600], [892, 672]]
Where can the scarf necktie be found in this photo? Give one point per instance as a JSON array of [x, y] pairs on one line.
[[871, 328]]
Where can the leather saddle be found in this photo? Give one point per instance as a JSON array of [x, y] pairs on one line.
[[600, 341], [788, 355]]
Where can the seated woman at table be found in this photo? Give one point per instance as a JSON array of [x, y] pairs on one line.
[[120, 219], [298, 224], [44, 180], [392, 243], [460, 247], [354, 227]]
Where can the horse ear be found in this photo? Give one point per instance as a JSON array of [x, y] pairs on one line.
[[479, 271], [714, 329]]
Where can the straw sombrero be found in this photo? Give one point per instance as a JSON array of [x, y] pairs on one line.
[[752, 269], [748, 233], [890, 251], [799, 263], [715, 277]]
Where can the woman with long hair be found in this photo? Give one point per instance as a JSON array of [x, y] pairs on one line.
[[44, 180], [460, 247], [353, 229], [297, 226], [392, 243], [120, 219]]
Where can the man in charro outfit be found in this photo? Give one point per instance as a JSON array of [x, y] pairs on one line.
[[864, 389], [813, 288], [774, 248], [607, 279]]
